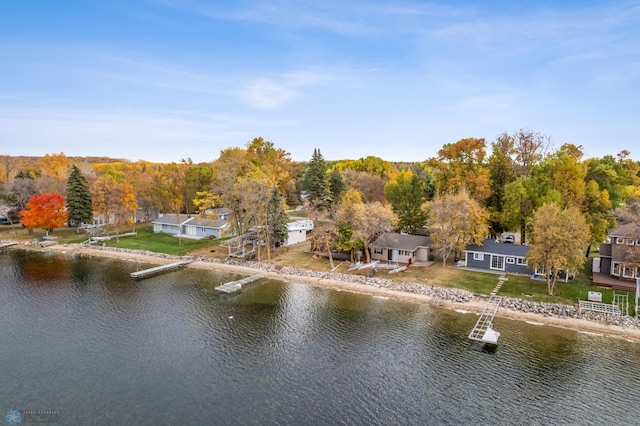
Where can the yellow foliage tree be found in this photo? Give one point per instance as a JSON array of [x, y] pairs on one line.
[[557, 240]]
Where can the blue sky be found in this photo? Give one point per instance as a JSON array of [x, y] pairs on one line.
[[162, 80]]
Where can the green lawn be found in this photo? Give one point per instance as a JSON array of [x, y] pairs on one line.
[[146, 239]]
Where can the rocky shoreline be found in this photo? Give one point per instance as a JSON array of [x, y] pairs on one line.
[[448, 297]]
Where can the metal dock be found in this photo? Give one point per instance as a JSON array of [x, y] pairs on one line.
[[8, 244], [157, 269], [483, 332], [233, 286]]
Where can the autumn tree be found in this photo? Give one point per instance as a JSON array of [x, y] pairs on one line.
[[79, 205], [54, 169], [197, 178], [530, 148], [557, 240], [9, 167], [373, 219], [460, 165], [370, 185], [114, 200], [456, 220], [563, 172], [521, 199], [46, 211], [370, 165], [608, 173], [346, 218], [406, 195], [629, 174], [174, 176], [275, 164], [253, 192]]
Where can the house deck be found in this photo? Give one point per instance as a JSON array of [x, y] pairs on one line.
[[604, 280]]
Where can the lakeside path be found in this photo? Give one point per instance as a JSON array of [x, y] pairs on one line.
[[475, 305]]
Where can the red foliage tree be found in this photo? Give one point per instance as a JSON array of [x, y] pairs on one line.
[[46, 211]]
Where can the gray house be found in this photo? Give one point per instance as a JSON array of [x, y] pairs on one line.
[[214, 225], [499, 257], [616, 267], [401, 248]]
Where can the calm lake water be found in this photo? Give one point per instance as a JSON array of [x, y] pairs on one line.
[[83, 339]]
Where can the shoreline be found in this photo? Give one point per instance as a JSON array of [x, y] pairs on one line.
[[475, 305]]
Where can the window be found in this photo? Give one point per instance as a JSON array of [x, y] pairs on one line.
[[511, 260], [497, 262], [478, 256], [630, 241], [405, 253], [377, 250], [615, 269], [627, 272], [619, 240], [522, 261]]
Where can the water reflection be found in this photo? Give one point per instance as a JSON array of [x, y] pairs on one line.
[[102, 348]]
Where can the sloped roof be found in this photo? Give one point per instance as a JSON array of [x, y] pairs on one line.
[[625, 230], [491, 246], [397, 241], [172, 219]]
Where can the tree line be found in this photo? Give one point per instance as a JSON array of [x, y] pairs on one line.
[[469, 190]]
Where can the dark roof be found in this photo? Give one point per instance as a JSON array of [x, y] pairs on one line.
[[401, 241], [625, 230], [490, 245]]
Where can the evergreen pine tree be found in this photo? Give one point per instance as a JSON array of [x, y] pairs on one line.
[[276, 217], [315, 179], [337, 188], [78, 199]]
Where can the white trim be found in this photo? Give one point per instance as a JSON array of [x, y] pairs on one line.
[[511, 260], [615, 265], [478, 256], [624, 272], [499, 260]]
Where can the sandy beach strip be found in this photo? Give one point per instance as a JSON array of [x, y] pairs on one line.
[[474, 306]]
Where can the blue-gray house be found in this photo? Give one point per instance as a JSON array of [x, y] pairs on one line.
[[499, 257], [214, 225]]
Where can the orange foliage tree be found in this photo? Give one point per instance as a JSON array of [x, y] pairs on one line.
[[44, 211]]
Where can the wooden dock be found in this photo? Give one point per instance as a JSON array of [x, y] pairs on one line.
[[233, 286], [158, 269], [8, 244]]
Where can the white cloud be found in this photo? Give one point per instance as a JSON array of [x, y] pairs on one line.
[[265, 93]]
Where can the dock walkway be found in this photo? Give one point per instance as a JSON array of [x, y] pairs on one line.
[[233, 286], [157, 269], [483, 332], [8, 244]]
